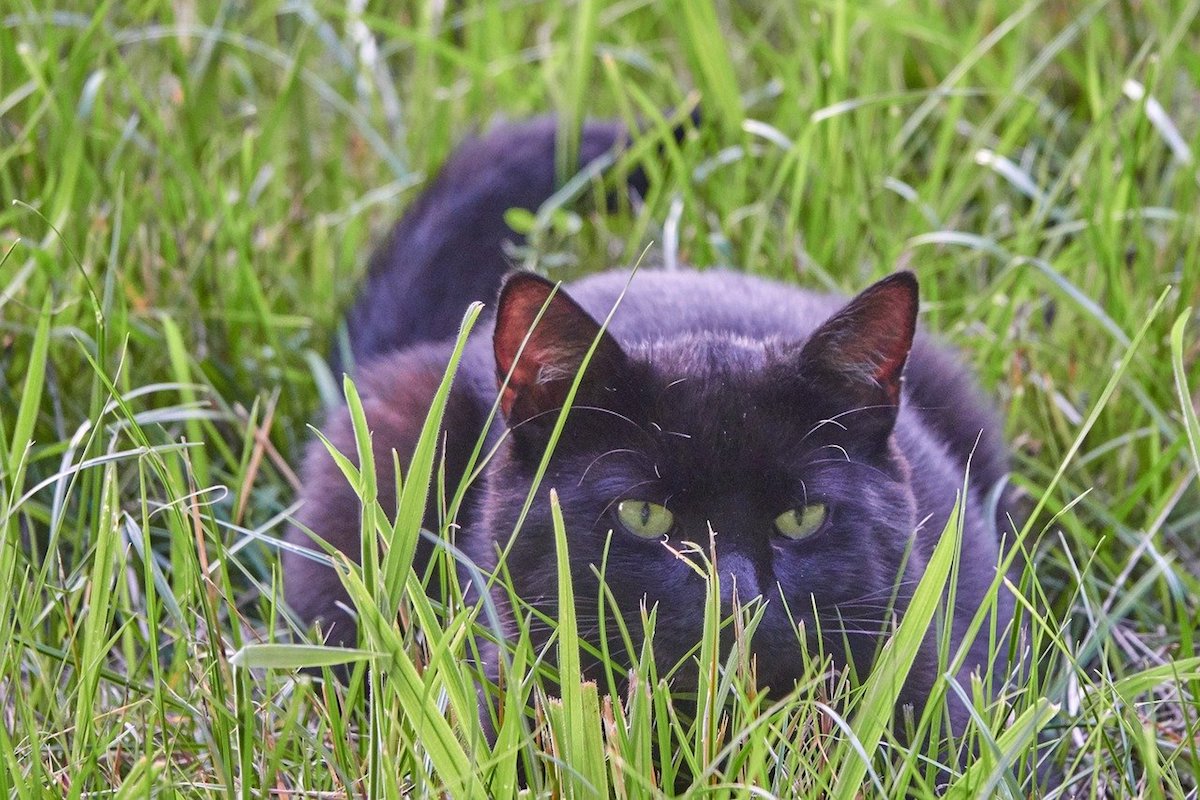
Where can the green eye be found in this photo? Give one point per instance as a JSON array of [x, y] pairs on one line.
[[648, 520], [799, 523]]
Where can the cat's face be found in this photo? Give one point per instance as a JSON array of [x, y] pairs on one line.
[[773, 457]]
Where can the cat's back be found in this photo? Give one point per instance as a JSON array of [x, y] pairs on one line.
[[656, 304]]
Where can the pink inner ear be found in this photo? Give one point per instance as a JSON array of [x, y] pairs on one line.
[[556, 347], [870, 338], [894, 328], [889, 317], [521, 301]]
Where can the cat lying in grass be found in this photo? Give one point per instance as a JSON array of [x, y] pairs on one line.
[[813, 446]]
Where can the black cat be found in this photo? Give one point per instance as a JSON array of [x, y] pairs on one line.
[[821, 442]]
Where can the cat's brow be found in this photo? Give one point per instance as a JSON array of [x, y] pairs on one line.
[[850, 462], [834, 420], [606, 454], [602, 410], [619, 416], [662, 393]]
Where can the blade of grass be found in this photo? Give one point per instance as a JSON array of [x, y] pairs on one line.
[[579, 69], [1191, 426], [405, 683], [274, 655], [709, 56], [96, 628], [1017, 739], [883, 686], [580, 748], [414, 496]]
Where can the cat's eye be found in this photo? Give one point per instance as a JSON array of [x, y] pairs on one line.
[[802, 522], [645, 519]]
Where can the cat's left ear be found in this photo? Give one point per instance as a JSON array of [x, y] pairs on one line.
[[864, 346], [542, 338]]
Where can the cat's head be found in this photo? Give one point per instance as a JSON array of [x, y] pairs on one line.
[[777, 456]]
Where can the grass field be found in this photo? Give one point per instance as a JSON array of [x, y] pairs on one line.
[[190, 190]]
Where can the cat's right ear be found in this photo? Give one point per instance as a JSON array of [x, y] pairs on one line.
[[541, 341], [857, 357]]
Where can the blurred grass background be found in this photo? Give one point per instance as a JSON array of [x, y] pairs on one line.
[[191, 189]]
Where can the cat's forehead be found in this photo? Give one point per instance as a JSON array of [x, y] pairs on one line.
[[715, 393], [706, 355]]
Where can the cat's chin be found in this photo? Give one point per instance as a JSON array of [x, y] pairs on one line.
[[774, 657]]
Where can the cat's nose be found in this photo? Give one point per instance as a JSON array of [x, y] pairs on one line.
[[738, 574]]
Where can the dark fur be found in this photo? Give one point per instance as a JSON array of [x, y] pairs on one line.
[[711, 394], [447, 249]]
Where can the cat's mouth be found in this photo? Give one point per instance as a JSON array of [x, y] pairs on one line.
[[776, 645]]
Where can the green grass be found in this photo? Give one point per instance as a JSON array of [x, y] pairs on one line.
[[189, 190]]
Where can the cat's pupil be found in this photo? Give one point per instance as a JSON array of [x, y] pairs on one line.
[[645, 513]]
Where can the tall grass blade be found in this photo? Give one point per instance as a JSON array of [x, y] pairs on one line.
[[883, 686], [416, 694], [580, 750], [1017, 740], [573, 110], [414, 496], [1191, 426], [709, 56]]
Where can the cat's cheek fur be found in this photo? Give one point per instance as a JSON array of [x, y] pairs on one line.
[[637, 573]]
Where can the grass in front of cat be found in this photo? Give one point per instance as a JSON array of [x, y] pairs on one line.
[[197, 187]]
